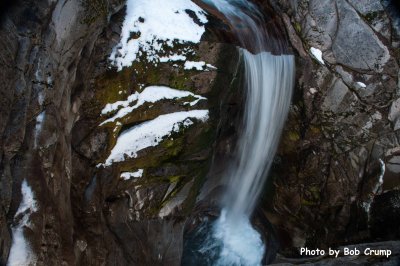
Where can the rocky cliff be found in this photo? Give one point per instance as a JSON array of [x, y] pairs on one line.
[[50, 53], [336, 177], [72, 194]]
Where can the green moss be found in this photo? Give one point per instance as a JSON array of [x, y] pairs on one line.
[[153, 76], [371, 16], [311, 196], [186, 150], [109, 85], [168, 143], [315, 192], [175, 178], [297, 27], [308, 203], [179, 81], [173, 146], [315, 130], [293, 136]]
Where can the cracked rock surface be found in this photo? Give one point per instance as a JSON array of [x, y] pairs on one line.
[[332, 168]]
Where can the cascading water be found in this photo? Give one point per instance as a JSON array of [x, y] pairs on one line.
[[269, 81]]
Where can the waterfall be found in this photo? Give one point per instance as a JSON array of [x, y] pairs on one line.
[[268, 83]]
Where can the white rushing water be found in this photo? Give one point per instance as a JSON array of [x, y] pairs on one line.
[[269, 82]]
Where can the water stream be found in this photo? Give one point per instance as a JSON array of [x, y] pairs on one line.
[[268, 83]]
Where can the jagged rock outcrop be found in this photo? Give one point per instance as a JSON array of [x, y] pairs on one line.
[[335, 168], [80, 209], [50, 51]]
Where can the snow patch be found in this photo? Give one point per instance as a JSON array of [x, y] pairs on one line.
[[151, 24], [377, 116], [20, 252], [130, 175], [201, 65], [317, 54], [150, 133], [313, 90], [38, 126], [41, 98], [150, 94], [383, 169], [49, 80], [367, 204], [173, 58], [362, 85]]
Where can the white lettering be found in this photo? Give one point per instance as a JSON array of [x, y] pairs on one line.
[[312, 252], [302, 250], [378, 252], [334, 252], [351, 252], [367, 252]]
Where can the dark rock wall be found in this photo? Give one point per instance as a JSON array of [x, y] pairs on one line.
[[336, 165], [47, 49], [55, 83]]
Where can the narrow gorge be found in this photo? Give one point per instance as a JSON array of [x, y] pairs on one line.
[[199, 132]]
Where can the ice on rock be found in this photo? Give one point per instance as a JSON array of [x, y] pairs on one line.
[[317, 54], [151, 133], [156, 23], [20, 252], [130, 175], [150, 94], [362, 85], [201, 65]]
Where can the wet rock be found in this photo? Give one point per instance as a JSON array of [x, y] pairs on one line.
[[46, 47], [320, 24], [366, 7], [394, 114], [373, 12], [385, 214], [336, 97], [355, 44], [339, 133]]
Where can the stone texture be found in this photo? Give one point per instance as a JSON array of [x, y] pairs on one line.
[[355, 44], [47, 46], [327, 173], [394, 114], [320, 24], [367, 6]]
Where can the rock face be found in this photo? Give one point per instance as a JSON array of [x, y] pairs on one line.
[[50, 50], [335, 178], [80, 211], [335, 162]]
